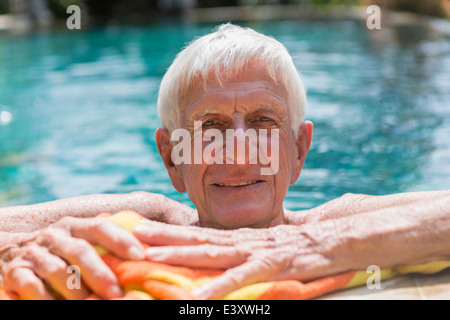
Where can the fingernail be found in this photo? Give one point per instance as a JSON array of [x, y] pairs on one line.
[[150, 222], [136, 253], [145, 231], [140, 228], [155, 250], [115, 292], [156, 253], [201, 292]]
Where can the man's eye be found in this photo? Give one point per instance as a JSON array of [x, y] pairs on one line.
[[209, 123], [263, 122], [263, 119]]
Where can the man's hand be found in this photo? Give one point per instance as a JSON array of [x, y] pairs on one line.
[[41, 258], [403, 234], [250, 255]]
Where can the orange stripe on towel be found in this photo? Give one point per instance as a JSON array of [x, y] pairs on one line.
[[296, 290], [138, 271]]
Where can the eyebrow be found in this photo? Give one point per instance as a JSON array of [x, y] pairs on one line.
[[198, 115], [271, 107]]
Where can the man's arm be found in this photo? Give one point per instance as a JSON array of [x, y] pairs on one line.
[[351, 203], [150, 205]]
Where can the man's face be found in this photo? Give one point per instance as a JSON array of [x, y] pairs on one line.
[[237, 195]]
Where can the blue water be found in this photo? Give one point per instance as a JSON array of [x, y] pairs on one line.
[[79, 110]]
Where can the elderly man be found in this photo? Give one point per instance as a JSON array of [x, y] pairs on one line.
[[232, 80]]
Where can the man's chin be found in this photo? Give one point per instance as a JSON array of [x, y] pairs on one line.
[[241, 215], [231, 207]]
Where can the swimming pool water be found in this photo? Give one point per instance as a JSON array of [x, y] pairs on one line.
[[78, 109]]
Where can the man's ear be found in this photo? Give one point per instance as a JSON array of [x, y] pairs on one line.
[[302, 143], [165, 147]]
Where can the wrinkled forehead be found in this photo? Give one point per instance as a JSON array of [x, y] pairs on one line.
[[255, 74]]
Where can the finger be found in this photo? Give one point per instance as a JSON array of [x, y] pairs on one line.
[[201, 256], [94, 272], [53, 270], [26, 284], [163, 234], [110, 236], [199, 235], [168, 237], [248, 273], [219, 236]]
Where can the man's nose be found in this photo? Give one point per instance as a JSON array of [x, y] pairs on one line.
[[241, 144], [239, 123]]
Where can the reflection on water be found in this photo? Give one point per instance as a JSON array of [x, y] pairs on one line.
[[81, 110]]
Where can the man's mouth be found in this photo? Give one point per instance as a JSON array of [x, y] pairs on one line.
[[238, 184]]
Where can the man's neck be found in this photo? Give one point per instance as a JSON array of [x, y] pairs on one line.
[[280, 219]]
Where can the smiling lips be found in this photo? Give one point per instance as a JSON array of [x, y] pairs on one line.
[[238, 184]]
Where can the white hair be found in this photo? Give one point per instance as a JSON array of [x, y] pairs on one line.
[[225, 52]]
